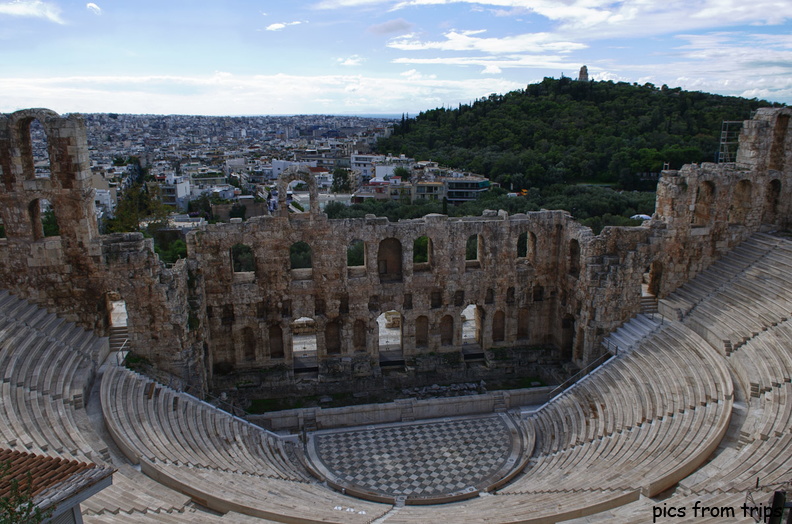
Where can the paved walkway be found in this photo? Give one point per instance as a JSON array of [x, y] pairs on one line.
[[432, 459]]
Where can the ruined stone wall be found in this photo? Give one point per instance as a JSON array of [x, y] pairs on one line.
[[568, 288], [273, 295]]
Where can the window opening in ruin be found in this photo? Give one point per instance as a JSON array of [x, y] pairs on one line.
[[390, 326], [422, 254], [359, 335], [523, 323], [741, 202], [249, 344], [389, 260], [779, 138], [705, 200], [498, 327], [242, 259], [472, 325], [422, 332], [42, 219], [538, 293], [473, 251], [276, 341], [34, 139], [304, 345], [652, 278], [489, 297], [298, 197], [333, 337], [522, 245], [356, 254], [436, 299], [574, 258], [300, 256], [771, 202], [447, 330]]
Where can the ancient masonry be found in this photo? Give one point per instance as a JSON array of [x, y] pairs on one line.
[[537, 278]]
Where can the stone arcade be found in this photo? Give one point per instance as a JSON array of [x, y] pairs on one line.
[[536, 278]]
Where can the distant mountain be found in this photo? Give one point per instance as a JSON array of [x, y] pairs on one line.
[[563, 130]]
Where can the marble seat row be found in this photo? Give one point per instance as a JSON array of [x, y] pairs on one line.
[[45, 379], [719, 274], [154, 422], [750, 309]]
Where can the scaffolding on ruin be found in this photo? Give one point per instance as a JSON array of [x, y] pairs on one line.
[[730, 134]]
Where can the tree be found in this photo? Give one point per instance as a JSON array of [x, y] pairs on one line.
[[341, 183], [17, 505], [402, 172]]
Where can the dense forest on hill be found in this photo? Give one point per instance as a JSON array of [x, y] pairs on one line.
[[566, 131]]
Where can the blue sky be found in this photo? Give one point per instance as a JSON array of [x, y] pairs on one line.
[[238, 57]]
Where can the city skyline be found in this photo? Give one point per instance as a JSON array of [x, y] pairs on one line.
[[374, 56]]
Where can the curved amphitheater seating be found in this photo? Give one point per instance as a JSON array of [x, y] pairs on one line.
[[676, 396], [47, 366], [223, 462]]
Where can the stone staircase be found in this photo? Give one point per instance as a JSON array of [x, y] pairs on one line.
[[648, 304], [118, 336]]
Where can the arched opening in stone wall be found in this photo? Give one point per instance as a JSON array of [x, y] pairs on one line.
[[447, 330], [356, 254], [522, 245], [422, 254], [242, 259], [249, 344], [705, 200], [472, 323], [741, 202], [304, 347], [42, 219], [390, 324], [772, 199], [116, 310], [389, 260], [276, 341], [300, 256], [359, 335], [34, 149], [498, 327], [777, 152], [523, 323], [474, 248], [422, 332], [655, 278], [574, 258], [526, 246], [333, 337]]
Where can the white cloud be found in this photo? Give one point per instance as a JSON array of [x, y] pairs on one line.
[[612, 18], [399, 25], [280, 25], [228, 94], [94, 8], [493, 65], [351, 61], [32, 8], [469, 41]]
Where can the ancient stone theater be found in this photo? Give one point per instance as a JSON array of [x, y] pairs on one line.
[[680, 328]]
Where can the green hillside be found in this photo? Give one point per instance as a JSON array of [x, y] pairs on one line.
[[565, 131]]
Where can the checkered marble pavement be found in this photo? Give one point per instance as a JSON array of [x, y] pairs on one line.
[[427, 459]]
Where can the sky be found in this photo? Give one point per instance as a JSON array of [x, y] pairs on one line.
[[244, 57]]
